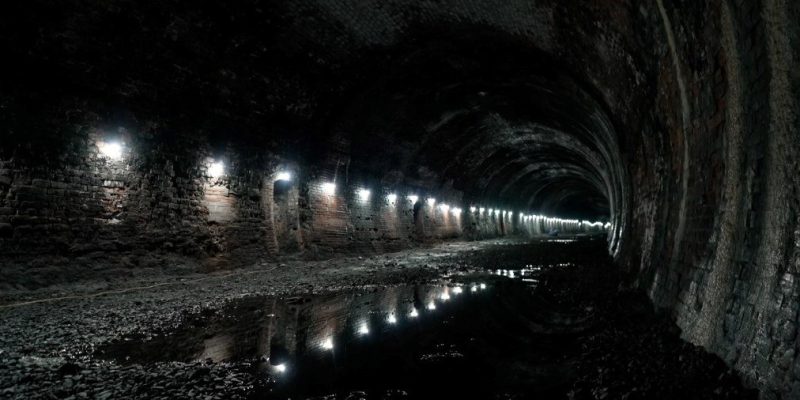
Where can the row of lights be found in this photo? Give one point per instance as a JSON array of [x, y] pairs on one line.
[[364, 330], [216, 169], [114, 151], [329, 188]]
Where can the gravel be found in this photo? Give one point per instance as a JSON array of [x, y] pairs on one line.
[[46, 347]]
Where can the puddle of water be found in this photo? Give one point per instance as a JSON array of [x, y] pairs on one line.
[[469, 340]]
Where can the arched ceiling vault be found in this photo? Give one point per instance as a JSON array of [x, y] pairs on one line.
[[519, 132]]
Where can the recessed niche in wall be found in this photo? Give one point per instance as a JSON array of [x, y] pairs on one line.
[[285, 215]]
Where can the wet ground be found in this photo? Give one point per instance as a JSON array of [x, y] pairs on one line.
[[500, 321]]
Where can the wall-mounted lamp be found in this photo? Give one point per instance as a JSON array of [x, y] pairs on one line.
[[363, 194], [431, 201], [412, 198], [110, 150], [391, 197], [329, 188], [283, 176], [216, 169]]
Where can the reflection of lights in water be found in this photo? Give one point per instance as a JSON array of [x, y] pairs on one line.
[[474, 288], [391, 319], [431, 305], [457, 290], [483, 286], [363, 329], [327, 344], [414, 313], [280, 368], [445, 296]]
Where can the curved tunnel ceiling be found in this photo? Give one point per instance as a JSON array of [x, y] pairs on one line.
[[505, 101], [505, 124]]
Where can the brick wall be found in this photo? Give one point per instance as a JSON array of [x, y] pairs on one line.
[[97, 214]]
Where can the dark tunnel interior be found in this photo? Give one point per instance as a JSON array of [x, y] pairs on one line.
[[400, 199]]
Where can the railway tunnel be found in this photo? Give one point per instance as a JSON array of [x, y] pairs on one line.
[[172, 163]]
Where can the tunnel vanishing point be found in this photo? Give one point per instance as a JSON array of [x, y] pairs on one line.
[[218, 135]]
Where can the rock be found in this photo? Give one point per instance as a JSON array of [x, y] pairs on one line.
[[201, 372], [69, 369]]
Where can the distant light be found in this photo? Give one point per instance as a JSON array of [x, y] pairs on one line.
[[483, 286], [431, 201], [431, 305], [327, 344], [391, 319], [363, 194], [329, 188], [414, 313], [112, 150], [491, 210], [474, 288], [456, 211], [412, 198], [472, 209], [283, 176], [444, 207], [391, 197], [280, 368], [457, 290], [216, 169], [481, 210], [363, 329], [445, 296]]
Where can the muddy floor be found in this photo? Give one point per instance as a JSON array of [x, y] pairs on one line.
[[485, 320]]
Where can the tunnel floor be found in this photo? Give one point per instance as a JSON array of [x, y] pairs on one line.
[[494, 320]]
